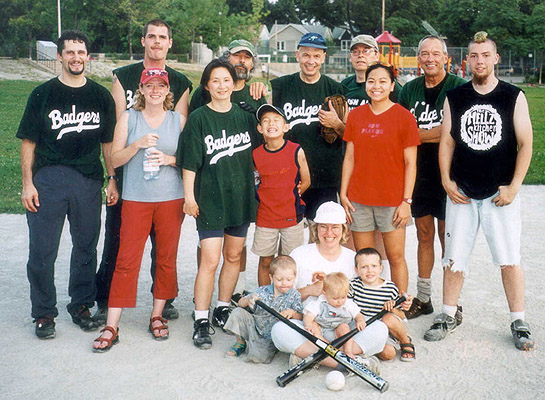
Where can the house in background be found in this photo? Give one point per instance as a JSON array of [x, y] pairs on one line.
[[284, 38]]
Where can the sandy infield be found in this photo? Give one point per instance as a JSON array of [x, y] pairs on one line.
[[477, 361]]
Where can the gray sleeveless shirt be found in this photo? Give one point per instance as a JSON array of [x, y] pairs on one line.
[[169, 184]]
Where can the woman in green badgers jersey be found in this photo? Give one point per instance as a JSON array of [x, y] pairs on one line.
[[215, 152]]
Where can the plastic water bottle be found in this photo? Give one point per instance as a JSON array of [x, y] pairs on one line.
[[257, 179], [151, 171]]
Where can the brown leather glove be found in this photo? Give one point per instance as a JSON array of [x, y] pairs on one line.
[[338, 101]]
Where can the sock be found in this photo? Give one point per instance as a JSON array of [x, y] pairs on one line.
[[223, 304], [241, 283], [201, 315], [340, 368], [386, 270], [423, 287], [450, 310], [517, 315]]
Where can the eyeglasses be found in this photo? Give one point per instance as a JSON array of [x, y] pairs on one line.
[[365, 52]]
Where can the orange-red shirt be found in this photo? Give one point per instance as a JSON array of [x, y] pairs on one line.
[[378, 177]]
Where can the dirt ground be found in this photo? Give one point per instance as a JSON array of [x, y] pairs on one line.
[[477, 361]]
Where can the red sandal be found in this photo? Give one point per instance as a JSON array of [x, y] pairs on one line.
[[109, 341], [156, 330]]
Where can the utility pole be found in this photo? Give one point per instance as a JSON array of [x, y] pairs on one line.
[[383, 13], [59, 17]]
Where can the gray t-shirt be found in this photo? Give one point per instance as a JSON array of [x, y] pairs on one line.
[[169, 185]]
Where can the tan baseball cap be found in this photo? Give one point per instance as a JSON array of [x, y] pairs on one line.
[[366, 40]]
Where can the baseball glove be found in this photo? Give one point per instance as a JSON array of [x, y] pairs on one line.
[[338, 101]]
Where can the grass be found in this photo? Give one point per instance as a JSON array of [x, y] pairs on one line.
[[14, 94]]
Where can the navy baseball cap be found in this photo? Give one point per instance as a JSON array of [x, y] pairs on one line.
[[312, 40], [268, 108]]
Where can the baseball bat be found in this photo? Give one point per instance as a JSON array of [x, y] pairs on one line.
[[350, 364], [313, 359]]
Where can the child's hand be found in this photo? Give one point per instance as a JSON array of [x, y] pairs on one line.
[[288, 313], [252, 299], [407, 303], [389, 305], [360, 324], [314, 328], [318, 276]]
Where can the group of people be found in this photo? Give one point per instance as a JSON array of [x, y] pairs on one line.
[[438, 149]]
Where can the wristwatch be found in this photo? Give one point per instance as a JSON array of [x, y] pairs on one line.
[[408, 201], [110, 177]]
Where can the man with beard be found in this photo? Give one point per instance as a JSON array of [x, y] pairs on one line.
[[156, 40], [424, 97], [241, 54], [363, 52], [66, 122], [484, 154]]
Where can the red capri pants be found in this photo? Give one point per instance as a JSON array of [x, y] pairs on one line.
[[136, 220]]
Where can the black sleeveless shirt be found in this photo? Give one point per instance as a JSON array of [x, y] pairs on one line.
[[483, 130]]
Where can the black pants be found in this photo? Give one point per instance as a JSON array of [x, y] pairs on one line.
[[111, 248], [63, 192]]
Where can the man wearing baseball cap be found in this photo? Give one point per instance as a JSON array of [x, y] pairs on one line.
[[363, 52], [156, 40], [241, 54], [300, 96]]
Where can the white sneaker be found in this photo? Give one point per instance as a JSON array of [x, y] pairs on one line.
[[372, 363], [294, 360]]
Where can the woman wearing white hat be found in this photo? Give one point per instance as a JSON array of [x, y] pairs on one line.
[[325, 256]]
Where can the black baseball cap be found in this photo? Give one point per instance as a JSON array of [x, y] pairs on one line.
[[268, 108]]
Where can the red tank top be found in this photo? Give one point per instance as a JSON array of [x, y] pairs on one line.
[[279, 203]]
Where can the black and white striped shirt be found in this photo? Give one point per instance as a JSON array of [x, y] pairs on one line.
[[369, 299]]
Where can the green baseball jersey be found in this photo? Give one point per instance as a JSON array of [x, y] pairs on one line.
[[412, 97], [301, 102], [218, 148], [129, 77], [241, 97], [357, 96], [68, 125]]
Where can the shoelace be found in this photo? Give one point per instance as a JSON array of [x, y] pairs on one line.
[[206, 328]]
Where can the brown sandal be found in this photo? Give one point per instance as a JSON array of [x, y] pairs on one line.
[[109, 341], [157, 329]]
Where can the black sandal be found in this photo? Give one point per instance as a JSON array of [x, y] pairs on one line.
[[407, 352]]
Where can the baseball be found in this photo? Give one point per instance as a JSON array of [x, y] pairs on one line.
[[335, 381]]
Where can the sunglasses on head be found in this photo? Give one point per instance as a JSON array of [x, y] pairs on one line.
[[154, 72]]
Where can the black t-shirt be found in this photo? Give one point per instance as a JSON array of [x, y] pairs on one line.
[[301, 103], [129, 77], [68, 124], [483, 130], [431, 94]]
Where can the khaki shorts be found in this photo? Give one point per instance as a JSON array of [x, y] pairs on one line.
[[371, 218], [266, 240]]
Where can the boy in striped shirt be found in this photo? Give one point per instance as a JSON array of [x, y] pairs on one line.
[[372, 293]]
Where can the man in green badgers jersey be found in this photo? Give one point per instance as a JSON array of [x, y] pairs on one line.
[[424, 97]]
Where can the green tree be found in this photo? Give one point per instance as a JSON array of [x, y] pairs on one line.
[[282, 12], [536, 29]]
